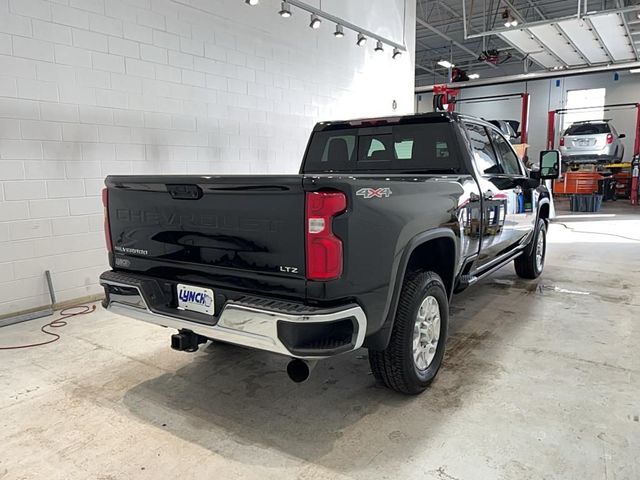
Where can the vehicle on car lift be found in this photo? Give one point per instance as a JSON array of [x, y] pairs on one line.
[[507, 128], [592, 140], [365, 247]]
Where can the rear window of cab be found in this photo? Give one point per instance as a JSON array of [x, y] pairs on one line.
[[588, 129], [408, 148]]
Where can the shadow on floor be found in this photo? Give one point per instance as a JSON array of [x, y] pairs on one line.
[[230, 398]]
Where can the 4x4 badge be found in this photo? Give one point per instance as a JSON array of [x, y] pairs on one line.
[[374, 192]]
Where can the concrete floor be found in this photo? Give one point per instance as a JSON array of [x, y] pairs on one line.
[[540, 380]]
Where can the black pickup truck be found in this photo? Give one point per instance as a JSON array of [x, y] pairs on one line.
[[364, 248]]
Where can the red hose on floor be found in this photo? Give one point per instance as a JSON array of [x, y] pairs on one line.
[[61, 321]]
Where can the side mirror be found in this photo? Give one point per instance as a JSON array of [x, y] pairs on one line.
[[622, 135], [549, 164]]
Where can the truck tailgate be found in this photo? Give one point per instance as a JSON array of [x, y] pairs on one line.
[[241, 232]]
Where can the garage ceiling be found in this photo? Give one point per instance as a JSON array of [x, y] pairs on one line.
[[549, 35]]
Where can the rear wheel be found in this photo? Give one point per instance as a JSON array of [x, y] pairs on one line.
[[416, 347], [531, 263]]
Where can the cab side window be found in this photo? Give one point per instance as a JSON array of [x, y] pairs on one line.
[[506, 156], [483, 154]]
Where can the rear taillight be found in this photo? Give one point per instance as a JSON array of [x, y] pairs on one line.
[[562, 141], [609, 139], [107, 230], [324, 249]]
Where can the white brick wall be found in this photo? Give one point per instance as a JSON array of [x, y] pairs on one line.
[[96, 87]]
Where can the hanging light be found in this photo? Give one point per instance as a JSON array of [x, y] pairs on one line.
[[252, 2], [339, 33], [285, 10], [362, 40], [315, 21], [396, 54], [508, 19], [474, 76], [446, 64], [379, 48]]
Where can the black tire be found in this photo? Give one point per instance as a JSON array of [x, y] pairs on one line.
[[395, 366], [527, 265]]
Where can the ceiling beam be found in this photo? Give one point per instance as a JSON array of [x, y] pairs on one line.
[[537, 9], [422, 67], [561, 32], [521, 19], [626, 28], [428, 26], [535, 76], [443, 35], [497, 31], [597, 35]]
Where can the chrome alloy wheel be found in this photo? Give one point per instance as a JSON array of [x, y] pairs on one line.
[[426, 333], [540, 247]]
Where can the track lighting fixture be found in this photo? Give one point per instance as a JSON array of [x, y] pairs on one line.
[[285, 10], [315, 21], [317, 15]]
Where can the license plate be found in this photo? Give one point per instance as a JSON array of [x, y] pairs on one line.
[[584, 143], [195, 299]]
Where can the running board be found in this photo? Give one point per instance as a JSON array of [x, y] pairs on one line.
[[467, 280]]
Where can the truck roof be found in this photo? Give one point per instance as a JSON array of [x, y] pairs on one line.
[[416, 118]]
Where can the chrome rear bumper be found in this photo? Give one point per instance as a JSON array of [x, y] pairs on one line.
[[243, 324]]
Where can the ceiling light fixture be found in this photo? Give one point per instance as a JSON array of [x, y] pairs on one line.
[[474, 76], [315, 21], [634, 70], [252, 2], [446, 64], [362, 40], [285, 10], [339, 33], [379, 48], [396, 54], [508, 19]]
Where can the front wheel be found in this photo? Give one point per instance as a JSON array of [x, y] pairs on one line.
[[416, 347], [531, 263]]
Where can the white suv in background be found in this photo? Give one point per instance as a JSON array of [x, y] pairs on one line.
[[591, 140]]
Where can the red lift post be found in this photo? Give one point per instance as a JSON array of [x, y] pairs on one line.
[[524, 118], [636, 160], [551, 125]]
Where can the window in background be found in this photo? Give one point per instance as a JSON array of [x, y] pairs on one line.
[[593, 98]]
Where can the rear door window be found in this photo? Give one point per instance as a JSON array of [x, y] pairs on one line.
[[484, 156], [506, 156]]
